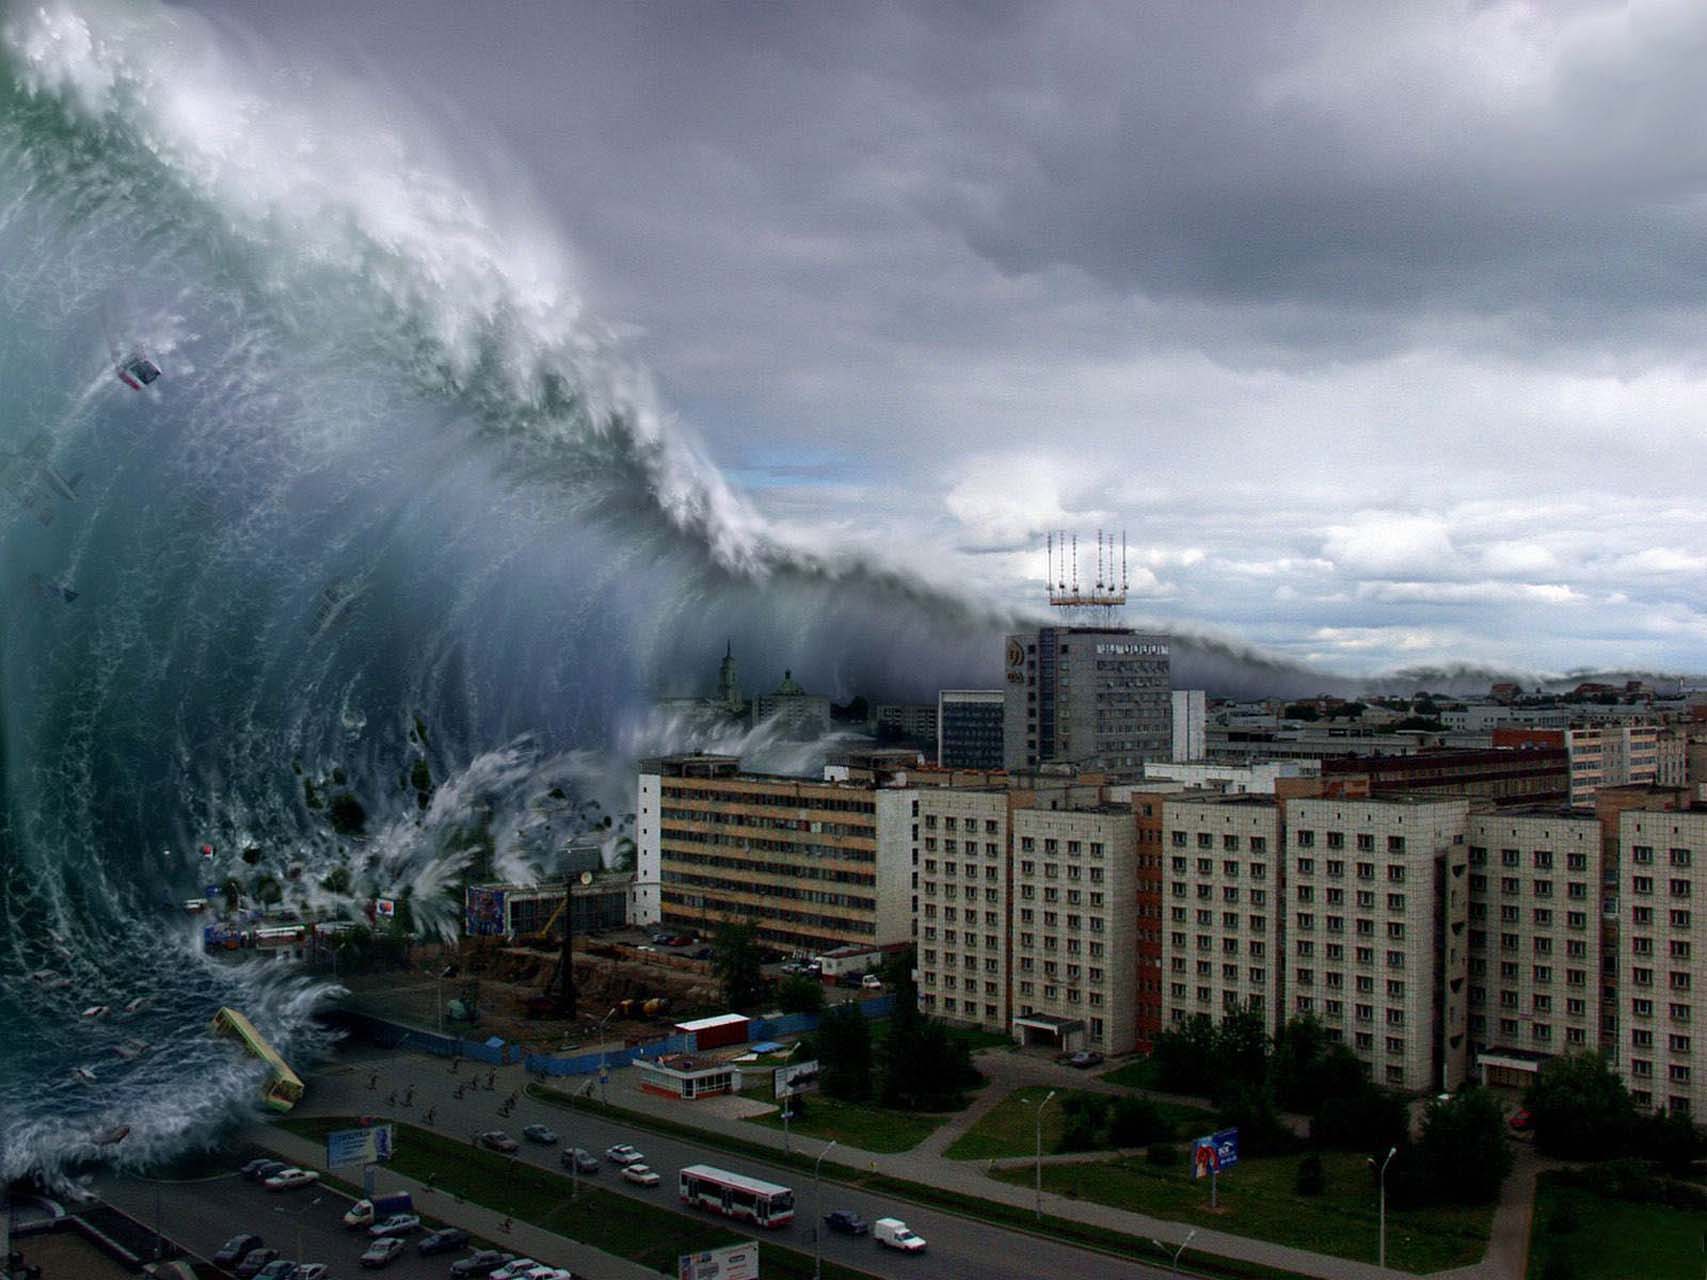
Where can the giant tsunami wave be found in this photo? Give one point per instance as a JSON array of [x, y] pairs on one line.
[[394, 479]]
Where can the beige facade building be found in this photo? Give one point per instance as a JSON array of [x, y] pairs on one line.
[[1223, 904], [1535, 939], [812, 865], [1663, 978], [1028, 914], [1616, 755], [1377, 928]]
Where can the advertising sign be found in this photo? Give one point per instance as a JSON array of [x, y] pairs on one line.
[[1215, 1154], [798, 1078], [734, 1262], [385, 908], [346, 1147], [485, 913]]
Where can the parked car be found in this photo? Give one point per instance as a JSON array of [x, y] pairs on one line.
[[364, 1213], [261, 1170], [236, 1249], [278, 1269], [539, 1133], [444, 1240], [1521, 1121], [581, 1160], [847, 1222], [254, 1260], [663, 939], [498, 1140], [482, 1262], [312, 1271], [398, 1224], [383, 1252], [895, 1234], [623, 1154], [644, 1175], [515, 1269], [871, 982], [1085, 1058], [291, 1179]]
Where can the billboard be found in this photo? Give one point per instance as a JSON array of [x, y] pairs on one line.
[[798, 1078], [485, 914], [346, 1147], [1216, 1153], [733, 1262]]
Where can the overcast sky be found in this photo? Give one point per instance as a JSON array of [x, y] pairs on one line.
[[1377, 327]]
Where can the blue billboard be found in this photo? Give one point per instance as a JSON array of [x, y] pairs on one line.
[[1215, 1154]]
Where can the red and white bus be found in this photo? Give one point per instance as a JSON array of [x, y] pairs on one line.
[[764, 1204]]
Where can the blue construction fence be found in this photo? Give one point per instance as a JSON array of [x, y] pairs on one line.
[[496, 1052]]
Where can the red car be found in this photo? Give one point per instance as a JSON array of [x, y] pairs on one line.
[[1521, 1122]]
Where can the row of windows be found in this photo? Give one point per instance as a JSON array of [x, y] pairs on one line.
[[768, 800], [1306, 839], [676, 838], [1229, 844]]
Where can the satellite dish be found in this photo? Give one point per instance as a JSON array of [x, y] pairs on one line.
[[586, 877]]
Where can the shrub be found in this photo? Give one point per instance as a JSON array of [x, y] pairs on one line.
[[1135, 1122], [1163, 1155], [1312, 1177]]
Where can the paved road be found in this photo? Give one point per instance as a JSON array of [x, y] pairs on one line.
[[958, 1247], [202, 1215]]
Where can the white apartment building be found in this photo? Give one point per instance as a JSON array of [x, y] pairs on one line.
[[964, 880], [1223, 904], [1191, 725], [1378, 910], [1075, 927], [1257, 777], [1663, 983], [1616, 755], [1535, 937]]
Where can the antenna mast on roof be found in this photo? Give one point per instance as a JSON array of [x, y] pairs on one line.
[[1108, 593]]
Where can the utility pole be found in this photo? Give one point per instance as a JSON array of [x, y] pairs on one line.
[[1176, 1252], [1382, 1178], [1039, 1176], [818, 1213], [566, 966]]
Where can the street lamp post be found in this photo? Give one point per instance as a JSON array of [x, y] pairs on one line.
[[1039, 1168], [1382, 1179], [818, 1214], [604, 1070], [1175, 1252], [299, 1214]]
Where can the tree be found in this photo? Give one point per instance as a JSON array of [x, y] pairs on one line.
[[1582, 1110], [1369, 1119], [1250, 1109], [1185, 1056], [843, 1045], [1312, 1177], [1137, 1122], [1241, 1050], [800, 994], [1300, 711], [897, 973], [1671, 1140], [735, 960], [924, 1067], [1084, 1119], [1464, 1154]]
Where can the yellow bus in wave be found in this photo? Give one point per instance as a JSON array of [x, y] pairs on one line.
[[283, 1089]]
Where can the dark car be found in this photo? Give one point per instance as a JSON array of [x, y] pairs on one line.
[[704, 953], [255, 1260], [580, 1160], [1085, 1058], [260, 1171], [248, 1170], [482, 1262], [444, 1240], [539, 1133], [236, 1249], [498, 1140], [847, 1222]]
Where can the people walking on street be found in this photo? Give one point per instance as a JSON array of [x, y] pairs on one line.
[[373, 1080], [409, 1096], [432, 1115], [391, 1099]]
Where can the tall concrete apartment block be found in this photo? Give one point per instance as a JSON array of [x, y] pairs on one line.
[[1026, 915], [1191, 726], [1663, 982], [1224, 901], [813, 865], [1535, 939], [1377, 929], [1094, 696]]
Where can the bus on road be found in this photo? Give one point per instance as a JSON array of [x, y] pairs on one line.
[[283, 1089], [764, 1204]]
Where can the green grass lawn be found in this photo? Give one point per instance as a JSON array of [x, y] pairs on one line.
[[1258, 1199], [1614, 1239], [1140, 1073], [1011, 1128], [652, 1233], [855, 1124]]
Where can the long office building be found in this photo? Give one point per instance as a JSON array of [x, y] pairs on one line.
[[969, 728], [1099, 697], [812, 865]]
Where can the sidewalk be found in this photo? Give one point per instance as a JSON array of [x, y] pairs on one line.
[[522, 1239]]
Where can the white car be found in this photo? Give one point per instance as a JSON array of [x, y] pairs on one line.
[[398, 1224], [641, 1174], [517, 1269], [871, 982], [382, 1252], [895, 1234], [290, 1179], [623, 1154]]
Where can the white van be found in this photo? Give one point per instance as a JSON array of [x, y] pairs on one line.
[[897, 1235]]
